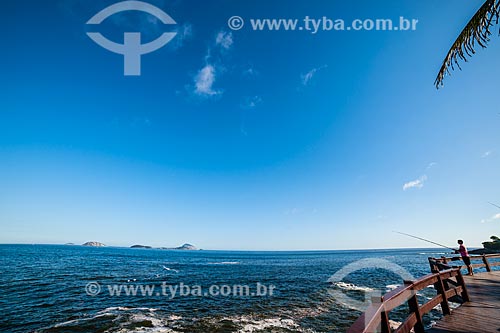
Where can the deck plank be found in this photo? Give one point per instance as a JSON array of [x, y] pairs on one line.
[[481, 314]]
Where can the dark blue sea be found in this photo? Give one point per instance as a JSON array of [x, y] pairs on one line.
[[64, 288]]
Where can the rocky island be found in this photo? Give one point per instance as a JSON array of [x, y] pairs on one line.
[[94, 244], [137, 246], [184, 247], [491, 247]]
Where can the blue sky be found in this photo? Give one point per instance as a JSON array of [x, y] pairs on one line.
[[254, 140]]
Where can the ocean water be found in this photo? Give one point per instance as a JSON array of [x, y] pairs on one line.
[[43, 289]]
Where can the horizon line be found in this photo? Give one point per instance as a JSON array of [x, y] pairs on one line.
[[237, 250]]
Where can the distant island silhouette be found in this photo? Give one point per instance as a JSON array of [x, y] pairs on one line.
[[184, 247], [94, 244]]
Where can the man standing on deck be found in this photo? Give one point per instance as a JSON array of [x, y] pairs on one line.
[[465, 256]]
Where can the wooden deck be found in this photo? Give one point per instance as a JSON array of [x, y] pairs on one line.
[[479, 295], [482, 313]]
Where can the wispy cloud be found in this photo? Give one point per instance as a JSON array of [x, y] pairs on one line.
[[487, 154], [417, 183], [293, 211], [247, 104], [491, 219], [250, 72], [307, 77], [184, 33], [224, 39], [300, 211], [251, 102], [204, 82], [431, 165], [206, 77]]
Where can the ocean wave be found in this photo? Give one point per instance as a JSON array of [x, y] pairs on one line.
[[118, 320], [170, 269], [151, 320], [391, 287], [224, 263], [250, 325], [351, 287]]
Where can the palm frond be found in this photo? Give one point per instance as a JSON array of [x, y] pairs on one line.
[[476, 31]]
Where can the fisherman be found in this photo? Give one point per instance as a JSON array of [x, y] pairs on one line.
[[465, 256]]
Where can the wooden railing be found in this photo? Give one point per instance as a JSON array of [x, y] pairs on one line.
[[438, 264], [448, 283]]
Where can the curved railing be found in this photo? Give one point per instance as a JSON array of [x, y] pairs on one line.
[[448, 283], [438, 264]]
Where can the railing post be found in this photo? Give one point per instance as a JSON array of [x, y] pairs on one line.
[[415, 308], [445, 306], [444, 259], [384, 323], [461, 282], [486, 263], [432, 263], [385, 326]]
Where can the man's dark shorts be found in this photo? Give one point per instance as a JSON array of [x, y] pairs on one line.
[[466, 260]]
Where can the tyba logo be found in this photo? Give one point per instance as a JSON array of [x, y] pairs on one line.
[[131, 49]]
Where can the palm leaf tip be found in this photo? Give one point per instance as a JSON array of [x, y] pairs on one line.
[[476, 31]]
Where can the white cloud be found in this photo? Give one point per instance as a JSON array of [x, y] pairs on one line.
[[224, 39], [417, 183], [306, 78], [251, 102], [184, 33], [491, 219], [206, 77], [300, 211], [293, 211], [487, 154], [204, 81], [250, 71], [431, 165]]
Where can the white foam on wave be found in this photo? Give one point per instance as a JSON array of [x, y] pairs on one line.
[[268, 323], [391, 287], [250, 324], [246, 323], [108, 312], [170, 269], [225, 263], [141, 320], [350, 286], [112, 310], [128, 320], [150, 320], [157, 325], [315, 311]]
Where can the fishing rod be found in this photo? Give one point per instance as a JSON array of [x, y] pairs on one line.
[[425, 240], [491, 203]]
